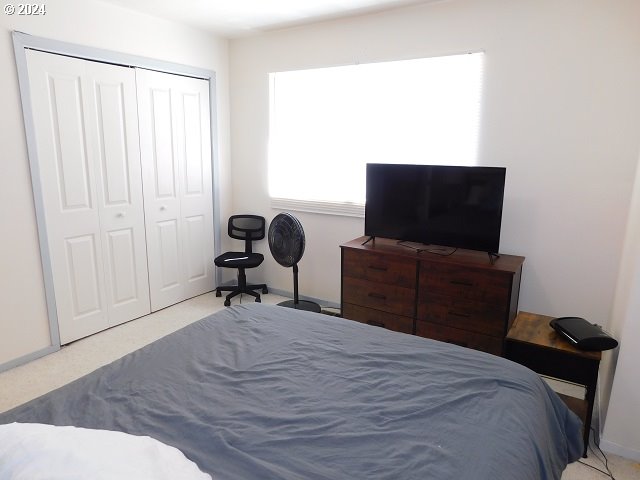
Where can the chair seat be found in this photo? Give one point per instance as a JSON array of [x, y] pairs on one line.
[[239, 260]]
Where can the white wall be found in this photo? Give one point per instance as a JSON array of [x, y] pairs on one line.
[[561, 111], [620, 434], [24, 325]]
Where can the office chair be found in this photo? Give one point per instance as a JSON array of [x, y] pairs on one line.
[[247, 228]]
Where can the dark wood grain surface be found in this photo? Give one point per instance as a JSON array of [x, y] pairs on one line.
[[461, 298], [535, 329]]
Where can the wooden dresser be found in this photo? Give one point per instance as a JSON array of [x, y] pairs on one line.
[[461, 298]]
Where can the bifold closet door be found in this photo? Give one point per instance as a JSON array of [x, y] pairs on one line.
[[86, 130], [175, 145]]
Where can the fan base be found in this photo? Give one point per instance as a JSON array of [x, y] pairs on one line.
[[301, 305]]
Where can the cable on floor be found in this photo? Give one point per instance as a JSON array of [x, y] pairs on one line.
[[605, 462]]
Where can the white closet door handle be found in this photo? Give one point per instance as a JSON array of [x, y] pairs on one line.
[[163, 207], [121, 214]]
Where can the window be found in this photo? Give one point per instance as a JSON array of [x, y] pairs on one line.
[[326, 124]]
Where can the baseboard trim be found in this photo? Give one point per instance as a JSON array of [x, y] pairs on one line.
[[16, 362], [612, 447]]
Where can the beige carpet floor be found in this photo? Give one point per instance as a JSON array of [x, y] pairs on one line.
[[31, 380]]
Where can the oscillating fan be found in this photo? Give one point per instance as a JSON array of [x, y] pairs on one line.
[[286, 242]]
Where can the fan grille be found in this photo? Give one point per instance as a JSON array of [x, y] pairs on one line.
[[286, 239]]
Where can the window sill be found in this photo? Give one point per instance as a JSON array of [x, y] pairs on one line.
[[327, 208]]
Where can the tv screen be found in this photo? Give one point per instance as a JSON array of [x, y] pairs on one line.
[[436, 205]]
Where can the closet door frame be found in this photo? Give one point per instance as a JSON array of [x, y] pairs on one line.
[[23, 42]]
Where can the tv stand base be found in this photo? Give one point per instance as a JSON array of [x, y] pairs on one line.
[[493, 257], [371, 238]]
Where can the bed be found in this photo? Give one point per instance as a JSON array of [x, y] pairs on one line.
[[264, 392]]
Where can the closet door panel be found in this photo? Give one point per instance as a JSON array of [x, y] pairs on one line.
[[194, 153], [86, 129], [164, 163], [83, 266], [191, 125], [122, 262], [67, 177], [114, 158], [160, 170], [119, 190], [176, 162], [170, 271], [69, 140], [195, 239]]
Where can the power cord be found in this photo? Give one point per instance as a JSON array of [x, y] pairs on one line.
[[605, 462]]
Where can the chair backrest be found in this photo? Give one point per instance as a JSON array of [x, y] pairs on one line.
[[247, 228]]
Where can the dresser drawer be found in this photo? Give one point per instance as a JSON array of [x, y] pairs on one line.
[[380, 296], [379, 268], [377, 318], [464, 282], [479, 317], [456, 336]]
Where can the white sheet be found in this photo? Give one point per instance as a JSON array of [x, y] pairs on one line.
[[31, 451]]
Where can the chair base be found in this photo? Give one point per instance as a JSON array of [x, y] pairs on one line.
[[242, 287]]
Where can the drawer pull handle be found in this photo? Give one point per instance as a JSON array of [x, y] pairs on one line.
[[461, 282], [456, 314], [377, 295], [375, 323], [379, 269]]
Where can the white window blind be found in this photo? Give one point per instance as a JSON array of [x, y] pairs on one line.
[[326, 124]]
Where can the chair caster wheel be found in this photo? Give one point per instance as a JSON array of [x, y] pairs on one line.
[[227, 303], [258, 300], [218, 294], [264, 290]]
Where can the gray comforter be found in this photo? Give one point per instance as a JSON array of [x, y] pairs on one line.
[[264, 392]]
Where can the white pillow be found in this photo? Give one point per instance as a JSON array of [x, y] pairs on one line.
[[31, 451]]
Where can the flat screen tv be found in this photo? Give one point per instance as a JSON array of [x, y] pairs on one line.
[[436, 205]]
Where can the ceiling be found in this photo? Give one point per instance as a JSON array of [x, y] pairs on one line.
[[236, 18]]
